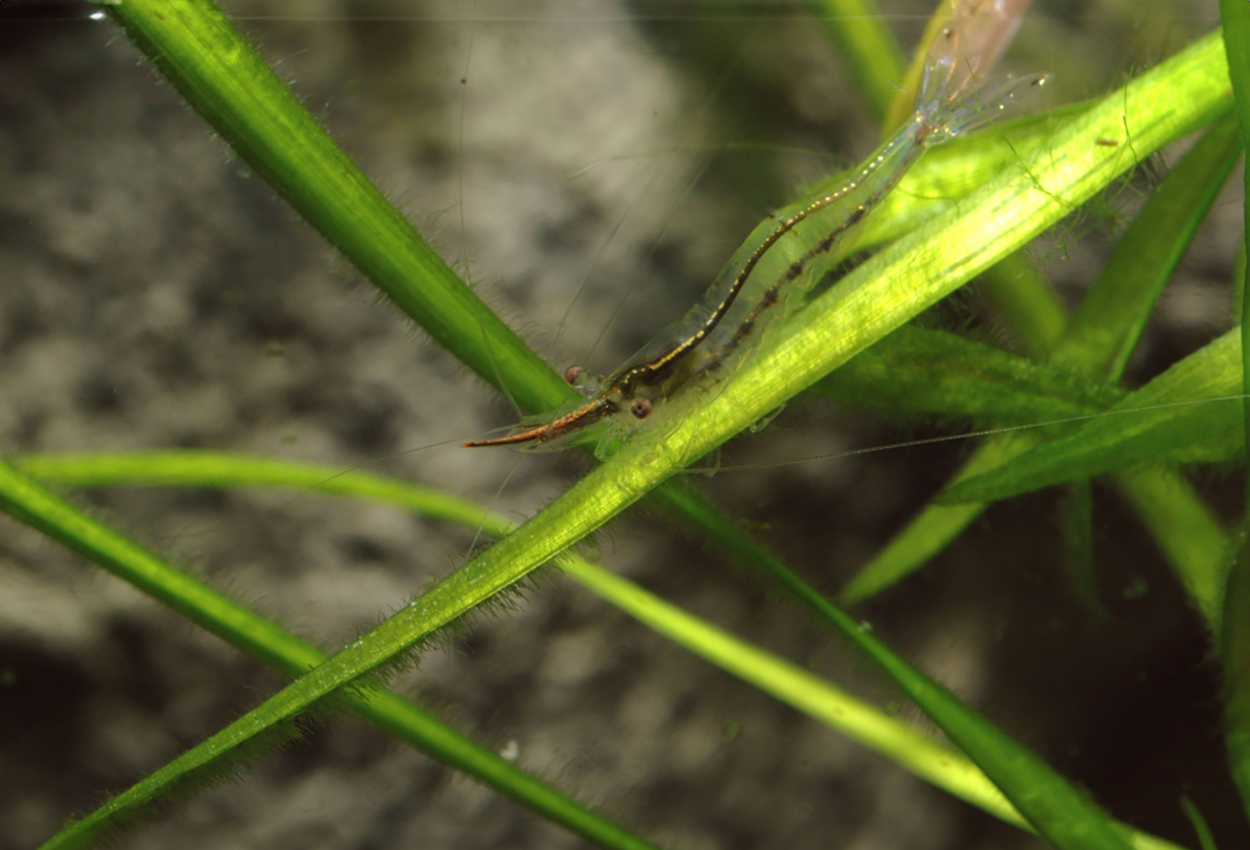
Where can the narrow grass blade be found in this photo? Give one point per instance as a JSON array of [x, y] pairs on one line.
[[797, 687], [915, 371], [220, 74], [1105, 330], [1206, 841], [1112, 316], [31, 503], [390, 643], [1189, 534], [875, 299], [1097, 344], [1197, 399], [1235, 658], [805, 691], [1027, 302], [1077, 521], [1235, 18], [867, 46], [1183, 526], [820, 700], [1236, 643], [931, 531], [223, 77]]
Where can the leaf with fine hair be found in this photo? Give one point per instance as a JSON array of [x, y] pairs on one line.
[[876, 298]]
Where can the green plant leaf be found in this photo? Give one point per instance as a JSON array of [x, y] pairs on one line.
[[871, 53], [211, 65], [1235, 18], [876, 298], [1197, 399], [1235, 658], [1206, 840], [1028, 304], [31, 503], [221, 75], [1105, 329], [932, 530], [1111, 318], [915, 371], [1097, 344], [1236, 643], [1187, 531], [1076, 516], [795, 686], [788, 683]]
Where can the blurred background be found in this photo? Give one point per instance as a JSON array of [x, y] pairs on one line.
[[587, 165]]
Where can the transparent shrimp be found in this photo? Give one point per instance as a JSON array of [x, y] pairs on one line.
[[791, 250]]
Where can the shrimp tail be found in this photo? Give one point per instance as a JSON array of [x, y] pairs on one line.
[[954, 94]]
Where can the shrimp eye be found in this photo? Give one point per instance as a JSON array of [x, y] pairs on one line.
[[641, 408], [572, 374]]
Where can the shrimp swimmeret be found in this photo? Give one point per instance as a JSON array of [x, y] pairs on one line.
[[790, 251]]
